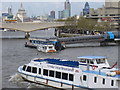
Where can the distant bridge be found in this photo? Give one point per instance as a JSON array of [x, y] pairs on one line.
[[31, 26]]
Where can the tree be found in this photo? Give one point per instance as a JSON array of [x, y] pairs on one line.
[[103, 26], [86, 24]]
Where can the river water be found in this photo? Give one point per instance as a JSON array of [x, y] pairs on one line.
[[14, 54]]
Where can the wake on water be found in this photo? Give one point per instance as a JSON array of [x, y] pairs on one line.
[[19, 81]]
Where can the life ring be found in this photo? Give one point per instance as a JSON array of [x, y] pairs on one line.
[[93, 67]]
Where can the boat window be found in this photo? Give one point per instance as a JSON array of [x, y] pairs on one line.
[[100, 61], [112, 82], [50, 47], [24, 67], [95, 79], [45, 72], [65, 76], [84, 77], [51, 73], [103, 81], [28, 69], [44, 47], [83, 60], [70, 77], [91, 62], [33, 41], [58, 74], [39, 70], [34, 70]]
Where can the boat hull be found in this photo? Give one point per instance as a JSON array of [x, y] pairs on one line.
[[47, 82]]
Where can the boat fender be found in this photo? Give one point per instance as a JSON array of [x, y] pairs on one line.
[[111, 73], [93, 67]]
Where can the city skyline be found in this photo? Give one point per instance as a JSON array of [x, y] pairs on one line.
[[43, 8]]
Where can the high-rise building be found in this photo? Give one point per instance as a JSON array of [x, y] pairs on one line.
[[67, 7], [10, 10], [86, 9], [52, 14], [60, 14], [66, 12]]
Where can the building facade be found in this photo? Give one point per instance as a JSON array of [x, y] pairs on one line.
[[110, 12]]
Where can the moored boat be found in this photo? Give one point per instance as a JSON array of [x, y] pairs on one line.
[[46, 48], [89, 72], [34, 42]]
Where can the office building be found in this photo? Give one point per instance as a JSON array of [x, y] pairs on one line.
[[67, 7], [86, 9], [60, 14], [52, 14], [66, 13], [10, 10]]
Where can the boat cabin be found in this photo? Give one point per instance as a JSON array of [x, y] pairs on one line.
[[93, 62], [46, 48]]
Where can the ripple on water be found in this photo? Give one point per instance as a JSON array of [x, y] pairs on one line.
[[20, 82]]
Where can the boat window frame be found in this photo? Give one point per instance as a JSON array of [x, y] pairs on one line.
[[85, 60], [84, 77], [71, 77], [53, 74], [64, 77], [44, 73], [112, 82], [44, 47], [91, 60], [39, 72], [101, 61], [35, 70], [58, 75], [30, 69], [95, 79], [103, 81], [50, 48], [25, 67]]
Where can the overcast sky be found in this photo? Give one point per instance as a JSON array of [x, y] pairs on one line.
[[37, 7]]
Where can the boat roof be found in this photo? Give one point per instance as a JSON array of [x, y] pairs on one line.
[[43, 38], [59, 62], [92, 57]]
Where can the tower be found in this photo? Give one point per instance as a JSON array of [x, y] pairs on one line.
[[52, 14], [86, 9], [67, 8], [10, 10]]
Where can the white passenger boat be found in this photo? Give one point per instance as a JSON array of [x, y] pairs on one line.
[[46, 48], [89, 72]]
